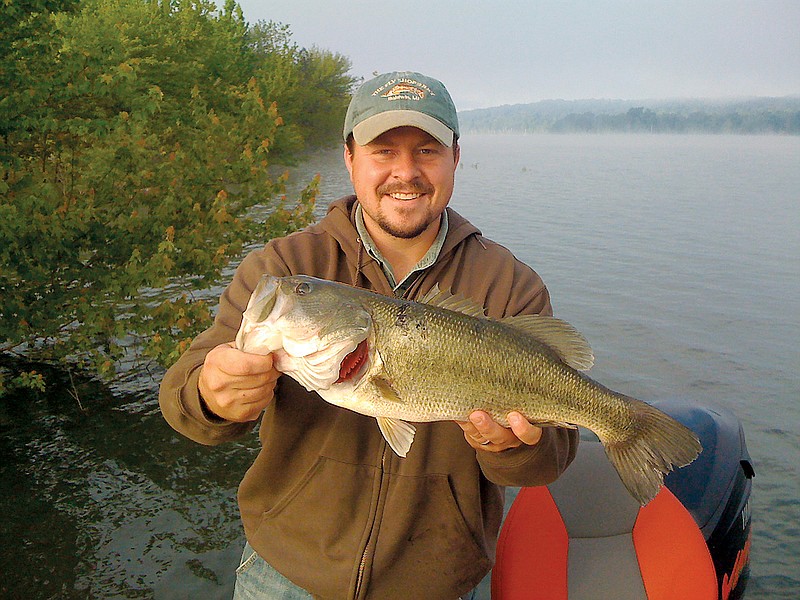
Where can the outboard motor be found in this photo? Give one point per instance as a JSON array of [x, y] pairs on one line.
[[715, 489], [584, 537]]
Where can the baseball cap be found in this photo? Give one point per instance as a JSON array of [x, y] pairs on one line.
[[401, 98]]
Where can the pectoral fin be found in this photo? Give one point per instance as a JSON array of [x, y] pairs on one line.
[[385, 389], [381, 381], [398, 434]]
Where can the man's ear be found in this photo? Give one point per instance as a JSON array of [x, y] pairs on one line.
[[348, 160]]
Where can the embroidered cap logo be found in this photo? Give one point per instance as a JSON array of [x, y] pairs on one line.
[[405, 91]]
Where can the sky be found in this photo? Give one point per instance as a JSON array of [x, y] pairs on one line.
[[494, 52]]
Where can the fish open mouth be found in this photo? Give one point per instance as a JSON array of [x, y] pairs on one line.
[[352, 363]]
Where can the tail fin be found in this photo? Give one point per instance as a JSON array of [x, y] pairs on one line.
[[658, 443]]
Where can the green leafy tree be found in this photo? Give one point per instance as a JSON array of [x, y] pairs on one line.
[[311, 87], [135, 140]]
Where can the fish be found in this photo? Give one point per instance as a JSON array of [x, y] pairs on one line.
[[404, 362]]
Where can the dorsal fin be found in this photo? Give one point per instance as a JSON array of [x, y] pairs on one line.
[[454, 302], [561, 337]]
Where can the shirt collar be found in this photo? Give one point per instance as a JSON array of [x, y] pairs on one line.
[[426, 261]]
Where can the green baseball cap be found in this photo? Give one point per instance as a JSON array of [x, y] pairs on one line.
[[398, 99]]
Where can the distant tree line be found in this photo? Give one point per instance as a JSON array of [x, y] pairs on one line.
[[760, 116], [135, 138]]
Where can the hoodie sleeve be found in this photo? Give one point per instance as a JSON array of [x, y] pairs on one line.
[[313, 251], [540, 464], [179, 397]]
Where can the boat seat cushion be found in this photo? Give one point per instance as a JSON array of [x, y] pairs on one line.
[[584, 537]]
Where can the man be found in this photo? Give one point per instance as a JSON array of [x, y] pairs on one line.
[[328, 510]]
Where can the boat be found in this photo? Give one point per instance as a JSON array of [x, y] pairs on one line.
[[584, 537]]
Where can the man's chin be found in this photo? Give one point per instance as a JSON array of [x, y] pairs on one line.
[[406, 233], [404, 229]]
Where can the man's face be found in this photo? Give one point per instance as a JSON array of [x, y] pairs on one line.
[[403, 180]]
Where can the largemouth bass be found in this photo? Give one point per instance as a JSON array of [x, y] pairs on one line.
[[441, 359]]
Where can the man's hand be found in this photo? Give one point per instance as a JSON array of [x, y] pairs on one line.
[[482, 433], [235, 385]]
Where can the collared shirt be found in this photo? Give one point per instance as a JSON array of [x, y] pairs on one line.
[[426, 261]]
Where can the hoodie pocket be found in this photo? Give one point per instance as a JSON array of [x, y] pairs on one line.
[[426, 546], [421, 543], [321, 520]]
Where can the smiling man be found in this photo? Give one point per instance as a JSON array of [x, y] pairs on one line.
[[328, 510]]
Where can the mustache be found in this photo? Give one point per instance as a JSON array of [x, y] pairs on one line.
[[405, 188]]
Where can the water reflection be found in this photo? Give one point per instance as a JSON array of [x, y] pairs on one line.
[[107, 502]]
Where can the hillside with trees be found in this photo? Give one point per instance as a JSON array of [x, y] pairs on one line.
[[136, 136], [754, 116]]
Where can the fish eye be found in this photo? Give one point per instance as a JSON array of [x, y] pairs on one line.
[[301, 289]]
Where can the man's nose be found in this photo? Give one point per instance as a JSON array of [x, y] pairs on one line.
[[405, 167]]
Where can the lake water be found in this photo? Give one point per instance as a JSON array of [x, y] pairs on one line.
[[678, 257]]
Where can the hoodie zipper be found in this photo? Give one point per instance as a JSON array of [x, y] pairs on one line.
[[362, 566], [359, 256]]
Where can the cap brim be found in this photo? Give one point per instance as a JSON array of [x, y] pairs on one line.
[[371, 127]]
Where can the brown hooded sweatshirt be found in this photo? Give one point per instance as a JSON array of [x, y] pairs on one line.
[[326, 502]]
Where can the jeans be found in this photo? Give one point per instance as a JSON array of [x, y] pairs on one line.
[[257, 580]]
